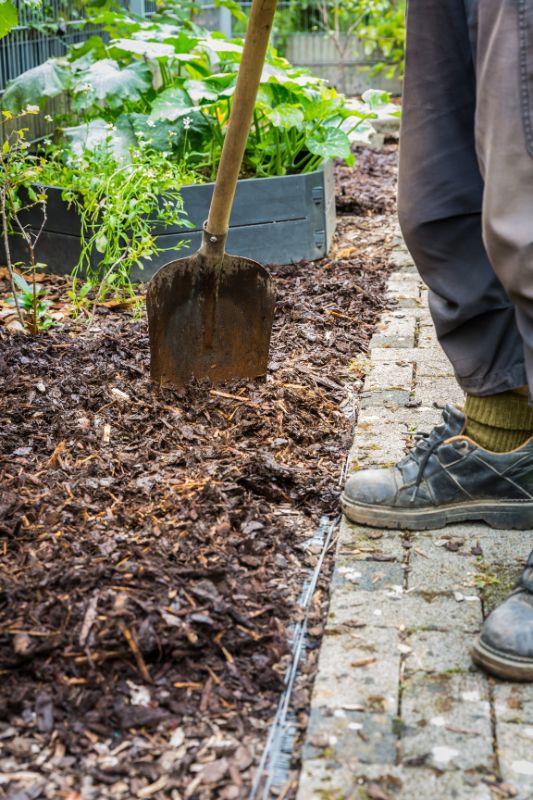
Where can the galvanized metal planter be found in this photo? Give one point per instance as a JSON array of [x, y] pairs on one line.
[[274, 221]]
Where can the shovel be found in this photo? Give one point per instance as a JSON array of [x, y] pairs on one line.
[[210, 314]]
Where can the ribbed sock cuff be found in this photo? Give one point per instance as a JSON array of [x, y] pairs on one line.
[[508, 411]]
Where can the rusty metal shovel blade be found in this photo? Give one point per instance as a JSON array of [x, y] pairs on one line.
[[210, 316]]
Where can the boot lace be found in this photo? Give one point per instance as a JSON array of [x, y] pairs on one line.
[[425, 446]]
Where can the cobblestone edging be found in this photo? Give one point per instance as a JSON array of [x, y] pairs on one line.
[[398, 710]]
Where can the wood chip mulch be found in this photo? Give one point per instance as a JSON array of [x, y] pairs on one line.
[[153, 543]]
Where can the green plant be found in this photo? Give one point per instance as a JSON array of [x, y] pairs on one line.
[[8, 16], [31, 299], [383, 35], [379, 26], [119, 198], [167, 83], [20, 190], [148, 113]]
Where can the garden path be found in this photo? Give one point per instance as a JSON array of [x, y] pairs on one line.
[[398, 709]]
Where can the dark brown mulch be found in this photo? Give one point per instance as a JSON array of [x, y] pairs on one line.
[[369, 188], [152, 542]]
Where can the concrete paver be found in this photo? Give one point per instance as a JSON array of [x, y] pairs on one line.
[[398, 709]]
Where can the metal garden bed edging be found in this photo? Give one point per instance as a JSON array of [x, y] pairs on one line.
[[277, 220]]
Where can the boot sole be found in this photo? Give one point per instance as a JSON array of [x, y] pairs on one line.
[[503, 665], [504, 515]]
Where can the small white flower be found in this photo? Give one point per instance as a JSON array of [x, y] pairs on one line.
[[83, 87], [171, 134], [47, 142], [186, 123], [108, 126], [150, 123], [48, 118], [32, 109]]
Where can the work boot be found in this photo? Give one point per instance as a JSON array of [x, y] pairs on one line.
[[505, 646], [445, 478]]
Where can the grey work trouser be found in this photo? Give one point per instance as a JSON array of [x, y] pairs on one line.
[[466, 182]]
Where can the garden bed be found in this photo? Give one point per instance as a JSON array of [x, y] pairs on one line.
[[155, 542], [276, 220]]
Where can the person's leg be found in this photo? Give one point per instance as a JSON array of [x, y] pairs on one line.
[[440, 199], [459, 472], [504, 139]]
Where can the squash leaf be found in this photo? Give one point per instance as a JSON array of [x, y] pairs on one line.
[[35, 85]]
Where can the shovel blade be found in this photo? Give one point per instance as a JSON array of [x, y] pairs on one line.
[[209, 321]]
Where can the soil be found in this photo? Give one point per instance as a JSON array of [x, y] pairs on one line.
[[154, 542], [370, 188]]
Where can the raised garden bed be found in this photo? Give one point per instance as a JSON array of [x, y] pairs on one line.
[[277, 220]]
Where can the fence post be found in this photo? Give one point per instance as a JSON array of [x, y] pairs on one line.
[[137, 7], [225, 21]]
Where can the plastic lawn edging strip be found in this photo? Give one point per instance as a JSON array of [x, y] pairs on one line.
[[280, 220]]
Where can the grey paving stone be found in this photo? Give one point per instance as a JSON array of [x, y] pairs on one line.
[[368, 737], [446, 721], [346, 779], [456, 571], [438, 391], [329, 780], [377, 398], [426, 335], [394, 340], [403, 259], [437, 652], [500, 547], [392, 355], [513, 703], [370, 423], [368, 575], [358, 671], [393, 374], [515, 749], [402, 610], [424, 783], [406, 283], [419, 418], [369, 450], [361, 543], [434, 365]]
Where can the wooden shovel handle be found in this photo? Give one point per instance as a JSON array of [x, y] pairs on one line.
[[248, 79]]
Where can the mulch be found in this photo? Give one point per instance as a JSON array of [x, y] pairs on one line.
[[154, 542], [370, 188]]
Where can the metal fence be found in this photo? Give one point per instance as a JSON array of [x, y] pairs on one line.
[[39, 35], [48, 31], [299, 33]]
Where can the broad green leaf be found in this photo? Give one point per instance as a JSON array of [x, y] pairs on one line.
[[180, 41], [161, 135], [35, 85], [8, 17], [92, 49], [104, 83], [200, 91], [234, 7], [146, 49], [329, 143], [171, 104], [219, 44], [285, 116], [374, 98]]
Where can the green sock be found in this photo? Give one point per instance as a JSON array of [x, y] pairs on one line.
[[500, 422]]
